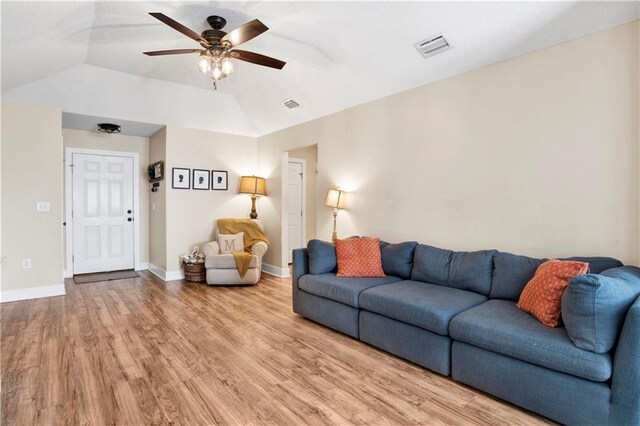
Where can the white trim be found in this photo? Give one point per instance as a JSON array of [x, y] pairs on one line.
[[284, 208], [142, 266], [174, 275], [157, 271], [274, 270], [68, 184], [32, 293], [166, 275], [67, 273]]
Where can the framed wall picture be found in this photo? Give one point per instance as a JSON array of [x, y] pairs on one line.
[[200, 179], [219, 180], [181, 178]]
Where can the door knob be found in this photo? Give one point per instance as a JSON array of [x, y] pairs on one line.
[[128, 211], [129, 219]]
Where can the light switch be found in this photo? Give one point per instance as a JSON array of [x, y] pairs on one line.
[[43, 206]]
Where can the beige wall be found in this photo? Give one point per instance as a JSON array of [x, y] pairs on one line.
[[537, 155], [122, 143], [31, 172], [158, 203], [191, 214], [310, 155]]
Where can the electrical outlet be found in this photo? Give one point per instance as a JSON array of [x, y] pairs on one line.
[[26, 263]]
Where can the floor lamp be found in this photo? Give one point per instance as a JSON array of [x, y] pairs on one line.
[[336, 198]]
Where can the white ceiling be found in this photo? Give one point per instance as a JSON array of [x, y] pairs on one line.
[[86, 57]]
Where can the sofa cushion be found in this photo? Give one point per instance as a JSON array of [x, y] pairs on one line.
[[226, 261], [499, 326], [594, 307], [322, 257], [428, 306], [397, 259], [341, 289], [511, 273], [462, 270], [597, 264]]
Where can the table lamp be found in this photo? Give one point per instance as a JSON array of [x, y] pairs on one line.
[[336, 198], [253, 186]]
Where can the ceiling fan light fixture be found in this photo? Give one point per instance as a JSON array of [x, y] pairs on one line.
[[219, 47], [216, 72], [227, 66], [204, 63]]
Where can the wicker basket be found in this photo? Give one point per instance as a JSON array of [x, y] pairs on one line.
[[194, 272]]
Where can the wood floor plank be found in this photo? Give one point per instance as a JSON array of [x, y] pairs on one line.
[[140, 351]]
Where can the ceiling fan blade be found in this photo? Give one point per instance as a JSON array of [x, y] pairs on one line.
[[256, 58], [179, 27], [171, 52], [245, 32]]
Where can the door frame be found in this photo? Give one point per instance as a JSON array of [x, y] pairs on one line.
[[68, 202], [285, 216]]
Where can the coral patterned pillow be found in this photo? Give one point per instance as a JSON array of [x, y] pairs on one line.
[[542, 296], [359, 257]]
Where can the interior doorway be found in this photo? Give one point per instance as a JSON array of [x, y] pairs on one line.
[[299, 199]]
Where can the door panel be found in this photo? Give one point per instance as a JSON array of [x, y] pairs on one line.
[[295, 207], [102, 194]]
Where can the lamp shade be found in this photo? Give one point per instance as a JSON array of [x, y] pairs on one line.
[[253, 185], [336, 199]]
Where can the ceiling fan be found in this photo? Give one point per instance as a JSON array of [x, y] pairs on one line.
[[218, 47]]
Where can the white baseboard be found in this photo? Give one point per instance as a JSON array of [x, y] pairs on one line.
[[274, 270], [157, 271], [67, 273], [174, 275], [32, 293], [165, 275]]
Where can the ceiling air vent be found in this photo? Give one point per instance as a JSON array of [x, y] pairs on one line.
[[432, 46], [291, 104]]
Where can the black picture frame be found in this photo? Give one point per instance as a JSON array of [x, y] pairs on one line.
[[196, 175], [219, 180], [176, 173]]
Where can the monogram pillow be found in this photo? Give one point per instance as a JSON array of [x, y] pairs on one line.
[[231, 243]]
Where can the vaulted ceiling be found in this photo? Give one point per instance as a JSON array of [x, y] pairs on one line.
[[86, 57]]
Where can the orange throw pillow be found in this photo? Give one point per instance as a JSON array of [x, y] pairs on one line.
[[542, 296], [359, 257]]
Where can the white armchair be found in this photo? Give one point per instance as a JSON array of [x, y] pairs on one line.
[[221, 268]]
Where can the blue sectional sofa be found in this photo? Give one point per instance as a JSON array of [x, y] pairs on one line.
[[455, 313]]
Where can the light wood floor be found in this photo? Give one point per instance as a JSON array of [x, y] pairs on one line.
[[139, 351]]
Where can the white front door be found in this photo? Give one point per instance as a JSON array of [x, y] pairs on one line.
[[295, 206], [102, 213]]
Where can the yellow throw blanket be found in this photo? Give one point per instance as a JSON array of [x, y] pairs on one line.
[[252, 234]]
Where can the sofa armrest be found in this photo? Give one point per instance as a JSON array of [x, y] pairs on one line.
[[625, 384], [211, 249], [300, 259]]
